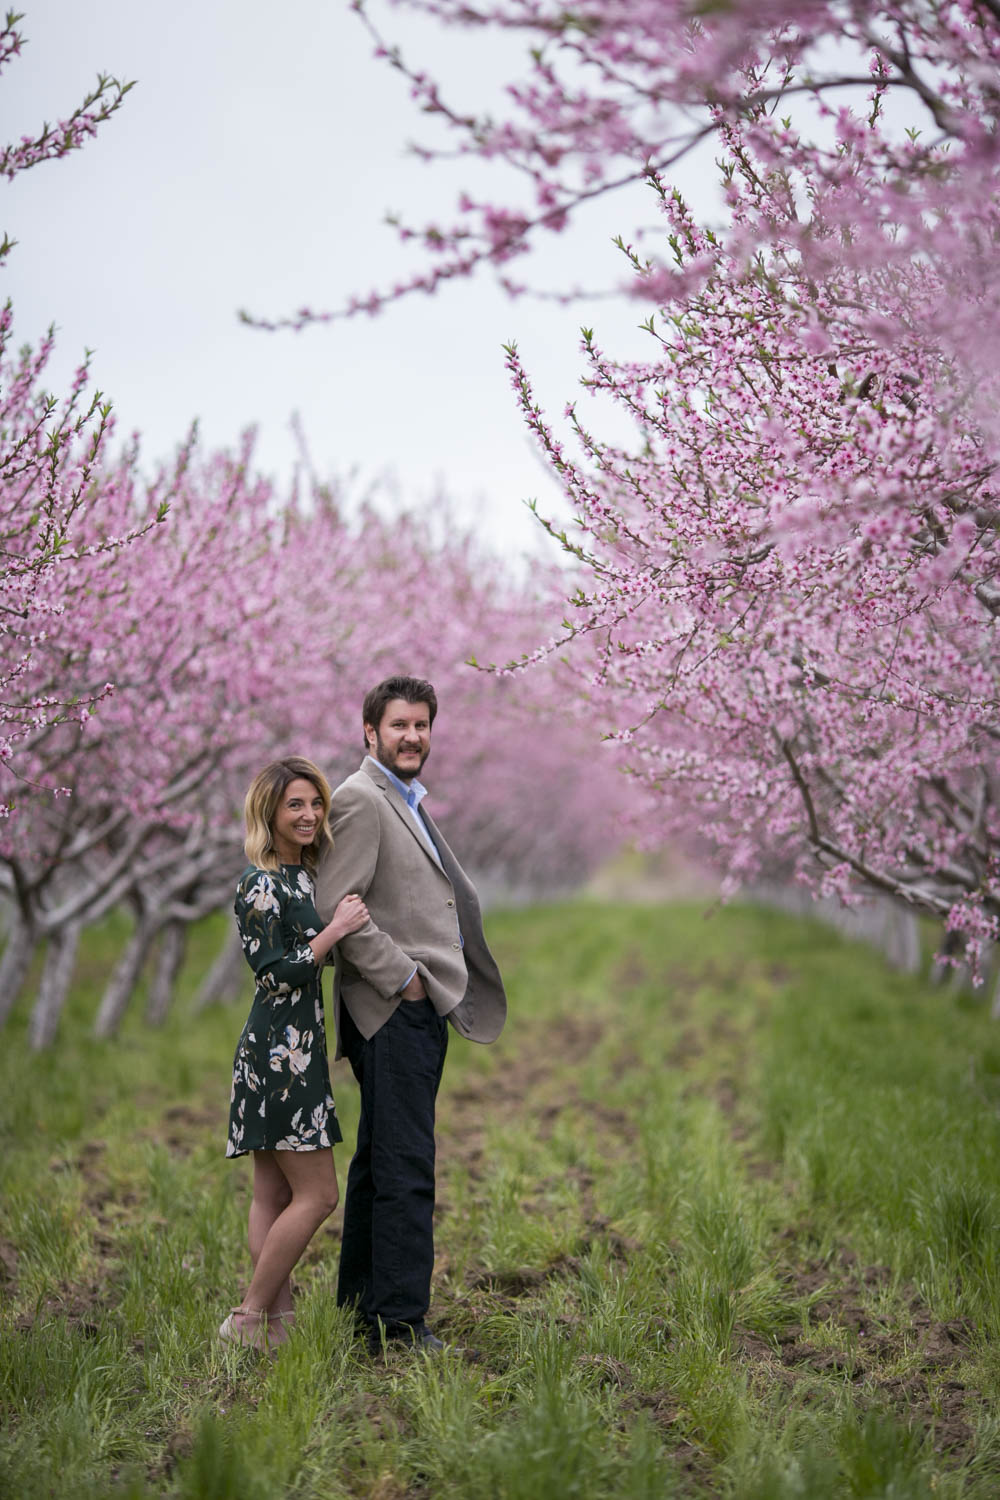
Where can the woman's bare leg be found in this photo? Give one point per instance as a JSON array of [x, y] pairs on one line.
[[311, 1178], [271, 1196]]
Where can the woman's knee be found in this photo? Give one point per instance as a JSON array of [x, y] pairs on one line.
[[317, 1199], [326, 1200], [313, 1183]]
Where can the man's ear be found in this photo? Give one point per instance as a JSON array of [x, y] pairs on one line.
[[370, 735]]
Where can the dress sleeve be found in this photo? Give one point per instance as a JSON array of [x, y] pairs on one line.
[[279, 967]]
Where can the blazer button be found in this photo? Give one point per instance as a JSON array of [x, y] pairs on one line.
[[456, 945], [451, 903]]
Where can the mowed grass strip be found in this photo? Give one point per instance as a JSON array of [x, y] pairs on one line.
[[718, 1215]]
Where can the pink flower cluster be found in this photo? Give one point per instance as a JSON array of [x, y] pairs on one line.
[[53, 141]]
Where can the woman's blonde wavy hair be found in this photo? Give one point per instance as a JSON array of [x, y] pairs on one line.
[[262, 803]]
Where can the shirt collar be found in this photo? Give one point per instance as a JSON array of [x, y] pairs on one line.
[[413, 794]]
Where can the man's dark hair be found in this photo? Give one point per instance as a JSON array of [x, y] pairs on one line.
[[410, 689]]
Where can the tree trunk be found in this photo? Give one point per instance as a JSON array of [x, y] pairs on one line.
[[57, 976], [225, 979], [173, 946], [951, 944], [124, 978], [17, 956], [902, 939]]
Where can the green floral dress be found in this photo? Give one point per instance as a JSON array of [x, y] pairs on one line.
[[281, 1098]]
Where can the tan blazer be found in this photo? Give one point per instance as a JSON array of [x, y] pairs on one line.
[[422, 914]]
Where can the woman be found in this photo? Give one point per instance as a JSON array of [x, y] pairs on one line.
[[281, 1106]]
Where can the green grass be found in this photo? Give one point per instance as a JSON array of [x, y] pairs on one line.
[[718, 1215]]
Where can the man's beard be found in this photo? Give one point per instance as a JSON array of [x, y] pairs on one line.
[[388, 759]]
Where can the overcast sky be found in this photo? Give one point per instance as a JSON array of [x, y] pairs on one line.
[[251, 166]]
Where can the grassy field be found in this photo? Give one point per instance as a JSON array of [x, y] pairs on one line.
[[719, 1215]]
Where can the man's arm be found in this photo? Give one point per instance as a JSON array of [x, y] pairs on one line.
[[350, 866]]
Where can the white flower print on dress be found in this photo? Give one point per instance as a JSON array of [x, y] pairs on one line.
[[292, 1051], [263, 896]]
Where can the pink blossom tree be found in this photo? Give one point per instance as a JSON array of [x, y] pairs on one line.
[[48, 450], [790, 576]]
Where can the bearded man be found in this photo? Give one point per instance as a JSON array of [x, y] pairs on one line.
[[419, 963]]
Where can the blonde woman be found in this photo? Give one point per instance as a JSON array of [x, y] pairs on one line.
[[281, 1109]]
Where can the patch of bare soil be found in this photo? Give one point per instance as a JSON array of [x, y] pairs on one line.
[[513, 1284], [186, 1127], [912, 1364], [8, 1264], [83, 1306], [690, 1462], [524, 1082]]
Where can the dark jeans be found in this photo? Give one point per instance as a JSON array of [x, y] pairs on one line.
[[387, 1254]]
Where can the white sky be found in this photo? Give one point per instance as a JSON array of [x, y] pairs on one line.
[[251, 166]]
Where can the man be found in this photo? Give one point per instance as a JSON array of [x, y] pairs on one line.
[[420, 959]]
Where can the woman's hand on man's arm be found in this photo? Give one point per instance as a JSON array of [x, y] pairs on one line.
[[350, 916]]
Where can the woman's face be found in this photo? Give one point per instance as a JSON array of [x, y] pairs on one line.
[[299, 815]]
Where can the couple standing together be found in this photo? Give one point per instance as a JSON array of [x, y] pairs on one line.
[[364, 876]]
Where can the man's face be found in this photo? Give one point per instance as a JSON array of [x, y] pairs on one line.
[[402, 742]]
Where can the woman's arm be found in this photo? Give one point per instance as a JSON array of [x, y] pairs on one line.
[[351, 914], [277, 966]]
